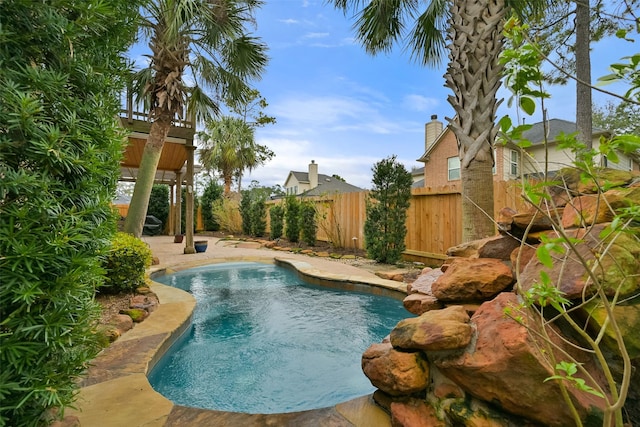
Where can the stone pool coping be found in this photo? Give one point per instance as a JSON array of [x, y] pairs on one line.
[[116, 391]]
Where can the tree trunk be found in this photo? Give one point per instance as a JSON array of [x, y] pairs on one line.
[[134, 222], [227, 184], [473, 74], [583, 74]]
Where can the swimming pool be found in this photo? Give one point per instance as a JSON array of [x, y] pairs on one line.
[[263, 341]]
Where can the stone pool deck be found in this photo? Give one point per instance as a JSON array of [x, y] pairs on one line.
[[116, 391]]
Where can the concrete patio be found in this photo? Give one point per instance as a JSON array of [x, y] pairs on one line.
[[116, 391]]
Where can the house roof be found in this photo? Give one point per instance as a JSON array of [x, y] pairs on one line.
[[555, 127], [328, 184], [418, 184], [433, 145]]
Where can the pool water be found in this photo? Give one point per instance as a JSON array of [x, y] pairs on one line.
[[263, 341]]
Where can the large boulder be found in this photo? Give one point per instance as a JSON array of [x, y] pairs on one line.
[[507, 367], [446, 329], [618, 271], [595, 209], [472, 280], [395, 372], [627, 317]]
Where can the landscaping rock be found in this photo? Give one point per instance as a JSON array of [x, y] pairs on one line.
[[472, 280], [498, 247], [424, 281], [144, 302], [507, 368], [414, 413], [420, 303], [446, 329], [394, 372], [396, 275], [619, 268], [595, 209], [136, 314], [122, 323]]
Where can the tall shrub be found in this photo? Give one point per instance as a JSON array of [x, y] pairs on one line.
[[292, 218], [245, 211], [61, 68], [212, 192], [258, 217], [308, 223], [159, 203], [385, 224], [227, 213], [276, 217], [253, 211]]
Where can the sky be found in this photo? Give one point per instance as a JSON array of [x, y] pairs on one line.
[[345, 109]]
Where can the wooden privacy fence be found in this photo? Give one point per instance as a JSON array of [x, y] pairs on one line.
[[434, 218]]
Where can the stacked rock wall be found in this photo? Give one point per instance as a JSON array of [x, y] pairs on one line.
[[476, 356]]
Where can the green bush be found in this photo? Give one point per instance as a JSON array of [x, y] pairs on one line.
[[253, 211], [212, 192], [62, 67], [159, 203], [125, 264], [385, 224], [292, 218], [276, 216], [308, 223], [245, 212], [258, 218]]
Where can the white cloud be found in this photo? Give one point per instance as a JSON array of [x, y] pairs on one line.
[[315, 35], [416, 102]]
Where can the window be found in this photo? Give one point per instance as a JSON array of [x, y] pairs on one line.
[[453, 166], [514, 162]]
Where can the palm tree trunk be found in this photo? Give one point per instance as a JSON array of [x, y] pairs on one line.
[[473, 75], [227, 184], [134, 222]]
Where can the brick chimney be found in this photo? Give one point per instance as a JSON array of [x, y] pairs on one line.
[[313, 174], [432, 130]]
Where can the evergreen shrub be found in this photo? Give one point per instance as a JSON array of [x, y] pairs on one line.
[[159, 203], [308, 223], [386, 211], [212, 192], [62, 70], [276, 216], [292, 218]]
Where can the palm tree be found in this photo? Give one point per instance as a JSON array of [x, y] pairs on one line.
[[474, 32], [206, 41], [230, 148]]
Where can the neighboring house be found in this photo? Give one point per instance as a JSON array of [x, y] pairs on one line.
[[417, 176], [312, 183], [442, 162]]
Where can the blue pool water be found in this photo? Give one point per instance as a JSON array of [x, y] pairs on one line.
[[263, 341]]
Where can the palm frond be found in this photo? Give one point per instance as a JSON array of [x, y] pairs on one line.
[[201, 106], [427, 39]]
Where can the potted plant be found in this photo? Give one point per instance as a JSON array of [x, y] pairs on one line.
[[200, 245], [178, 238]]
